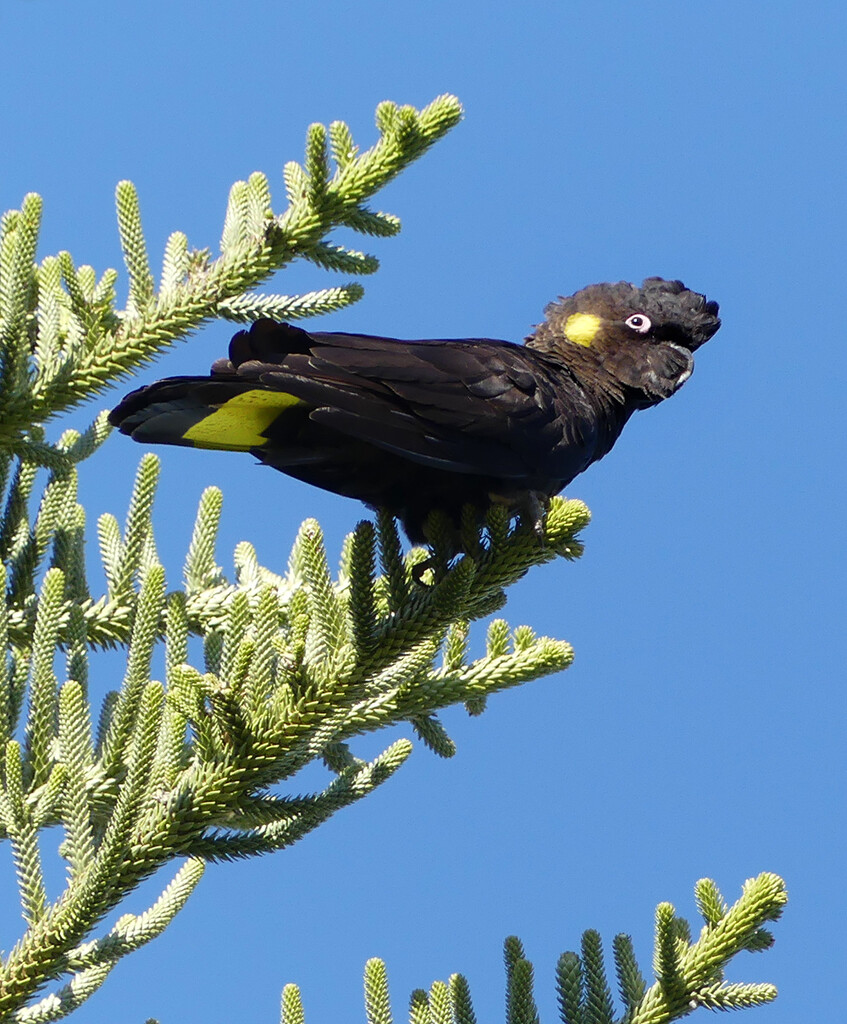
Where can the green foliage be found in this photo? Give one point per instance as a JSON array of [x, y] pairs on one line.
[[295, 664], [62, 339], [688, 974]]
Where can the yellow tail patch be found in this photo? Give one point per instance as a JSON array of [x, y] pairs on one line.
[[237, 425]]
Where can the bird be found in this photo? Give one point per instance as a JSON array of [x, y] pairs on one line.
[[413, 427]]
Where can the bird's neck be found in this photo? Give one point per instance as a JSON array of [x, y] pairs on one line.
[[613, 401]]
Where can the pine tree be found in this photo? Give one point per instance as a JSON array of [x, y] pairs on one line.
[[294, 665]]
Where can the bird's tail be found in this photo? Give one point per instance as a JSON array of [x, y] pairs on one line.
[[228, 414]]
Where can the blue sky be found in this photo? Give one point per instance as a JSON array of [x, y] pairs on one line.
[[700, 731]]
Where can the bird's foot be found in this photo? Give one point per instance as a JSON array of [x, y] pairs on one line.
[[532, 508]]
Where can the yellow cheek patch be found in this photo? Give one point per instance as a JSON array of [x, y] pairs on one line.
[[237, 425], [582, 328]]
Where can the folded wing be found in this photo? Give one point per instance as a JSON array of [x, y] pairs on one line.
[[473, 406]]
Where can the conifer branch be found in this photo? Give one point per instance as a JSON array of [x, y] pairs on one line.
[[291, 1008], [295, 666], [186, 764], [584, 996], [62, 339]]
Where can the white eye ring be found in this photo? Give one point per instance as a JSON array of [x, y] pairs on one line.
[[639, 323]]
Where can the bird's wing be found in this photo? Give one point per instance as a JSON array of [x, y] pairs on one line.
[[475, 406], [472, 405]]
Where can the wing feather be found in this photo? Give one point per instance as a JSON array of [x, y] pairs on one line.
[[478, 407], [474, 405]]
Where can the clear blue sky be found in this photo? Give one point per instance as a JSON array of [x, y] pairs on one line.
[[701, 728]]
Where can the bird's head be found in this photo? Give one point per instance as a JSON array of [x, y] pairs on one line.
[[641, 337]]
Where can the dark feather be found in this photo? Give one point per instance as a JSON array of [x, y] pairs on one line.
[[413, 426]]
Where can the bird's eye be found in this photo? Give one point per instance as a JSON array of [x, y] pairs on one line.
[[639, 322]]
